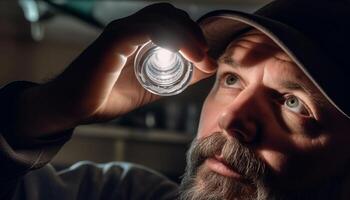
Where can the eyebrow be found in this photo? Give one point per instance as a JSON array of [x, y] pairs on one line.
[[226, 59], [315, 96]]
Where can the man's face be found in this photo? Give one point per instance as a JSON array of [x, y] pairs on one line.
[[265, 129]]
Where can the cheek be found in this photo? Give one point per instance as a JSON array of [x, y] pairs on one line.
[[287, 170], [275, 160], [301, 126], [293, 158]]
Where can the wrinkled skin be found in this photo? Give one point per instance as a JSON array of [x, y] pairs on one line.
[[263, 100], [100, 84], [303, 143]]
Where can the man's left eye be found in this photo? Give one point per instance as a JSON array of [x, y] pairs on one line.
[[294, 104]]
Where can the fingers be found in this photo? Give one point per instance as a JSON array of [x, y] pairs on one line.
[[185, 35], [199, 75], [167, 27], [162, 23], [205, 63]]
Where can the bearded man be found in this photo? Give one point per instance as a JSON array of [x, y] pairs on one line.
[[274, 126]]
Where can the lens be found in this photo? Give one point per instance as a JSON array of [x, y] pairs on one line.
[[161, 71]]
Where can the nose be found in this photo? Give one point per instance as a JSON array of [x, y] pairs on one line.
[[240, 119]]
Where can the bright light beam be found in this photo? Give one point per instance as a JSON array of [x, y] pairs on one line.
[[164, 58]]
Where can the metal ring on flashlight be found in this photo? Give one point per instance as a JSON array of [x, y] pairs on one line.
[[161, 71]]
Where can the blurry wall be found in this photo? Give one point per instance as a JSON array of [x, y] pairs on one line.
[[22, 58], [65, 37]]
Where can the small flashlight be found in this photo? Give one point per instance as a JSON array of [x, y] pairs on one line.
[[161, 71]]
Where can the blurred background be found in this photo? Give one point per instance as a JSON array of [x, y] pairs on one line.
[[39, 39]]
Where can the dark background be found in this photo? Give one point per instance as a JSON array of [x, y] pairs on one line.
[[38, 40]]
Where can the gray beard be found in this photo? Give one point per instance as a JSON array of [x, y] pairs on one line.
[[200, 183], [212, 186]]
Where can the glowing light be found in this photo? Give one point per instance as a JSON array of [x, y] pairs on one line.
[[164, 58], [161, 71]]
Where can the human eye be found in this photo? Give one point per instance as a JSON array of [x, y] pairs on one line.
[[230, 80], [296, 105]]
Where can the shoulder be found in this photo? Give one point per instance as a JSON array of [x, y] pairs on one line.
[[134, 181], [115, 180]]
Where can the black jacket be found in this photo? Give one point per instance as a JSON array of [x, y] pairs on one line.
[[25, 172]]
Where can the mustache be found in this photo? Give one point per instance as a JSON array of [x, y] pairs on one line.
[[235, 155]]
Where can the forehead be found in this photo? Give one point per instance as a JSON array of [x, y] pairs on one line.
[[251, 47], [254, 49]]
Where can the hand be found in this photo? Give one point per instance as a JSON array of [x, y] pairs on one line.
[[100, 84]]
